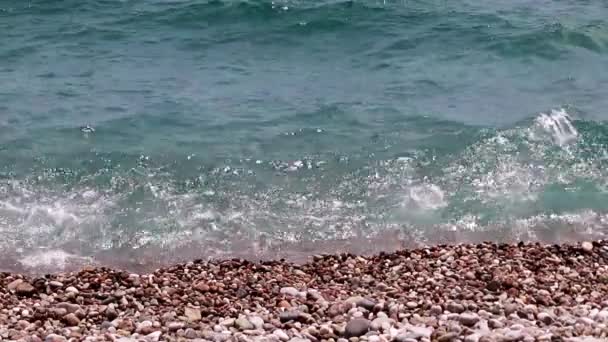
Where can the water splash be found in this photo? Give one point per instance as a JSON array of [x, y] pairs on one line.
[[558, 124]]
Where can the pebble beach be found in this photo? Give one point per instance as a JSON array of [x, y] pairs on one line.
[[471, 293]]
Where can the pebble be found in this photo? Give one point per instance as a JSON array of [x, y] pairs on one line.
[[281, 335], [71, 289], [243, 323], [455, 308], [463, 293], [153, 336], [174, 326], [193, 314], [357, 327], [545, 318], [468, 319], [71, 319], [54, 338], [290, 291], [257, 322], [587, 246]]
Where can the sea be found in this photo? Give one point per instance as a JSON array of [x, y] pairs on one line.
[[140, 133]]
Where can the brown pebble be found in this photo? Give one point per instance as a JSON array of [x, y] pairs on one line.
[[71, 319]]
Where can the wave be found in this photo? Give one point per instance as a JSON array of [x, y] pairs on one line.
[[543, 179]]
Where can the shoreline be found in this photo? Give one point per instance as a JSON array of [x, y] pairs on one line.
[[467, 292]]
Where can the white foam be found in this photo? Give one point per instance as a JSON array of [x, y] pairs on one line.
[[426, 197], [55, 258], [558, 125]]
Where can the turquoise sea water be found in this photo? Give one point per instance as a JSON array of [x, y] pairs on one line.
[[148, 131]]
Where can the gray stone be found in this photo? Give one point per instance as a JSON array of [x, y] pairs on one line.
[[404, 338], [290, 291], [366, 303], [215, 337], [316, 295], [243, 323], [293, 315], [190, 333], [281, 335], [495, 324], [411, 305], [257, 322], [71, 289], [381, 323], [69, 307], [357, 327], [228, 322], [468, 318], [55, 283], [455, 308], [143, 327], [436, 310], [54, 338], [192, 314], [298, 339], [419, 332], [174, 326], [154, 336], [587, 246], [335, 310], [472, 338]]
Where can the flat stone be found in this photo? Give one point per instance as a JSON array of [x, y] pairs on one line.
[[455, 308], [293, 315], [24, 289], [290, 291], [193, 314], [154, 336], [257, 322], [404, 338], [468, 318], [55, 283], [356, 327], [495, 324], [381, 323], [227, 322], [366, 303], [69, 307], [54, 338], [243, 323], [447, 337], [281, 335], [13, 284], [419, 332], [71, 289]]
